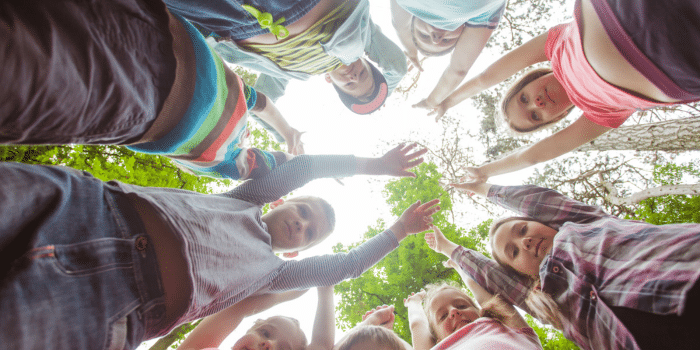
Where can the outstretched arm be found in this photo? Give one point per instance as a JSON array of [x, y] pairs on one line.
[[401, 20], [468, 47], [396, 162], [324, 324], [514, 61], [421, 337], [266, 110], [212, 331], [573, 136]]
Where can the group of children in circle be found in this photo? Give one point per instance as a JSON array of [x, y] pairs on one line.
[[607, 283]]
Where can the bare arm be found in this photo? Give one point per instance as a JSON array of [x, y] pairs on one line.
[[514, 61], [514, 320], [401, 20], [421, 337], [468, 47], [266, 110], [578, 133], [324, 323], [212, 331]]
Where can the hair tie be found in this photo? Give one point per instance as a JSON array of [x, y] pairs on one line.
[[266, 22]]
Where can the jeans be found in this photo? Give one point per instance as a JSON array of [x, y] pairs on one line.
[[76, 268]]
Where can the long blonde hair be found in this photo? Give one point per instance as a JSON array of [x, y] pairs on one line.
[[541, 304]]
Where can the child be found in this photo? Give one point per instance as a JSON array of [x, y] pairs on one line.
[[318, 37], [435, 28], [452, 319], [116, 264], [156, 87], [277, 332], [374, 332], [607, 283], [616, 58]]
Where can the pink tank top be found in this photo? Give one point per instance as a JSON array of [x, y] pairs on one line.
[[601, 102], [488, 334]]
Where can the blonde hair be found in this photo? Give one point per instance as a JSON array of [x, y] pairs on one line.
[[541, 304], [528, 77], [378, 335], [495, 308]]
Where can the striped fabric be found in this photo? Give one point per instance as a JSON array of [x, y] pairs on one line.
[[304, 53], [208, 139]]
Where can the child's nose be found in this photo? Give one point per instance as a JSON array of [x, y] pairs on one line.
[[454, 312], [265, 345], [539, 101], [437, 37], [527, 243]]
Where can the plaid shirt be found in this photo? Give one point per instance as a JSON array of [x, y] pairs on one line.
[[597, 261]]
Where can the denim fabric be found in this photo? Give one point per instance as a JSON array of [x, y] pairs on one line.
[[77, 270], [82, 71], [228, 19]]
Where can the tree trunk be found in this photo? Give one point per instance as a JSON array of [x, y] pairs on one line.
[[670, 135], [637, 197]]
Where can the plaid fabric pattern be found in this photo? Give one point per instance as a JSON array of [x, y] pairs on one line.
[[597, 261]]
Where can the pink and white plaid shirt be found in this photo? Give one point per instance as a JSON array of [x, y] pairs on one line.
[[597, 261]]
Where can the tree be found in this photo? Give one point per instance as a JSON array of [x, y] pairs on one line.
[[669, 135], [672, 209]]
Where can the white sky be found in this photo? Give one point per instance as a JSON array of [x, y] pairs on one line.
[[313, 106]]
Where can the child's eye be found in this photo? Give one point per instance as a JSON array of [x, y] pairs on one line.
[[535, 117], [309, 234], [523, 230], [523, 99], [304, 212], [265, 333], [443, 316], [515, 252]]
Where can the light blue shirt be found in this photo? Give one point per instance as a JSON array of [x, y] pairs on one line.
[[451, 14], [355, 37]]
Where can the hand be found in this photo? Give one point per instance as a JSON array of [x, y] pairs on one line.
[[474, 177], [417, 218], [425, 104], [414, 297], [413, 61], [439, 243], [450, 264], [439, 110], [294, 144], [380, 316], [396, 161]]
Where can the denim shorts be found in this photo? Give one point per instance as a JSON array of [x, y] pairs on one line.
[[228, 19], [77, 269], [82, 71]]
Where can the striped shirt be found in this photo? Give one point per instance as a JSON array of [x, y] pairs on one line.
[[597, 261], [228, 249], [210, 138], [304, 52]]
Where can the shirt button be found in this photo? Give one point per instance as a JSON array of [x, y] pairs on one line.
[[141, 243], [555, 269], [593, 297]]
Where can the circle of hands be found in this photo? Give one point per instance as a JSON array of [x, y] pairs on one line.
[[382, 315]]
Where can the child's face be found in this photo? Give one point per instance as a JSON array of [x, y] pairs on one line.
[[450, 310], [355, 80], [274, 333], [538, 103], [523, 245], [296, 224], [433, 39]]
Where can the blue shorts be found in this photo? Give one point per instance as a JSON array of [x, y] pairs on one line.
[[228, 19], [77, 270], [661, 39]]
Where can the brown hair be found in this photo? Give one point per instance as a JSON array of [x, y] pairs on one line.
[[378, 335], [423, 51], [495, 308], [541, 304], [528, 77]]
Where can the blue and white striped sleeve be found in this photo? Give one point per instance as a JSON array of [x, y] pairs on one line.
[[330, 269]]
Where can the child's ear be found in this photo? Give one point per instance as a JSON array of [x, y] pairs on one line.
[[290, 255], [328, 78], [276, 203]]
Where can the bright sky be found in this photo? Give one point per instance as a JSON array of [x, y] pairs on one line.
[[313, 106]]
